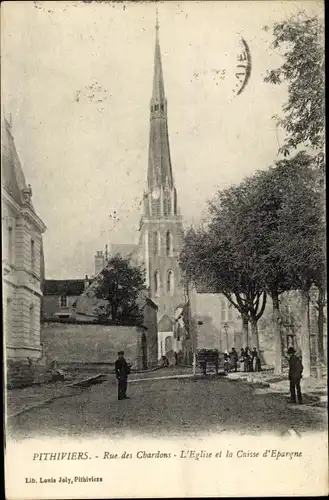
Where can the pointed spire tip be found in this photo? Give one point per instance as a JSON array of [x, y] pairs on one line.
[[157, 20]]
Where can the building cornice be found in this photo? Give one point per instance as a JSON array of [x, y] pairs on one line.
[[8, 198], [28, 214], [24, 210]]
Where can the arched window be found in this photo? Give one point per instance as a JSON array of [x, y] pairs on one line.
[[156, 208], [157, 283], [170, 282], [169, 244], [167, 204], [31, 322], [156, 243]]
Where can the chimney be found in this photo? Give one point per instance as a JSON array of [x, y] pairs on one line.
[[99, 262]]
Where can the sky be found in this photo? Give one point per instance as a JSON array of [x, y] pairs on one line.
[[77, 80]]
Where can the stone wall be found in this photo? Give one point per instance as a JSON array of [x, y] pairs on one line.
[[90, 343]]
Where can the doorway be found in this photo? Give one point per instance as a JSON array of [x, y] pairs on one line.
[[144, 352]]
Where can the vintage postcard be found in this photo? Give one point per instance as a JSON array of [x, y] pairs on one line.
[[164, 268]]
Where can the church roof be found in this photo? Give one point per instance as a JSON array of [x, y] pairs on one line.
[[165, 324], [159, 166], [13, 178]]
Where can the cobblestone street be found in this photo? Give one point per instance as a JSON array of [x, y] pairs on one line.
[[169, 407]]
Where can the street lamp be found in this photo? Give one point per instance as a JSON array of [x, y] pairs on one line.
[[226, 336]]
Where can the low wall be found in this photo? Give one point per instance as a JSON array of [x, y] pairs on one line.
[[80, 343]]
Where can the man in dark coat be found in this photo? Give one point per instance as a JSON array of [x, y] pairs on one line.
[[122, 370], [295, 375], [234, 359]]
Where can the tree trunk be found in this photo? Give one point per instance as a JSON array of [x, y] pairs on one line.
[[254, 334], [245, 329], [305, 333], [277, 333], [321, 302]]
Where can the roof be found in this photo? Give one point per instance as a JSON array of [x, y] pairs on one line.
[[87, 302], [165, 324], [64, 287], [13, 178]]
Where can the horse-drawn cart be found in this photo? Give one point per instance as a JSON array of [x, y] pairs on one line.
[[210, 360]]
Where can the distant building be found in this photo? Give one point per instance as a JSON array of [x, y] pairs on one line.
[[60, 297], [216, 323], [22, 258]]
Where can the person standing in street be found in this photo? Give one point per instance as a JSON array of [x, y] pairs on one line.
[[122, 370], [295, 376], [234, 359]]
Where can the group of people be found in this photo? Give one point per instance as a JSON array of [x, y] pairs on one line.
[[248, 360]]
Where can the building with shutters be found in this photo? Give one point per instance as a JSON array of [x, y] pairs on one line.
[[22, 259]]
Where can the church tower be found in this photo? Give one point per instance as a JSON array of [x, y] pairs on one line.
[[161, 228]]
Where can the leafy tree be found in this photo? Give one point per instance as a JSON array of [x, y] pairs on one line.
[[287, 237], [221, 257], [300, 40], [119, 285]]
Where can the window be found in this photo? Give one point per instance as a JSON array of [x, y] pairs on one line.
[[167, 204], [162, 107], [169, 244], [10, 245], [156, 107], [32, 255], [229, 311], [31, 322], [170, 282], [63, 301], [156, 208], [9, 318], [156, 243], [157, 283], [223, 310]]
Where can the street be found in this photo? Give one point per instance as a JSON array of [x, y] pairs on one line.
[[168, 407]]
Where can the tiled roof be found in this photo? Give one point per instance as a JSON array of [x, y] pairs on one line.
[[13, 178], [64, 287]]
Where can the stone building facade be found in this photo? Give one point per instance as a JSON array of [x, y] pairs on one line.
[[22, 259]]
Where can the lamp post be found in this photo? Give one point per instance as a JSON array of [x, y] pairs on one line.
[[226, 336]]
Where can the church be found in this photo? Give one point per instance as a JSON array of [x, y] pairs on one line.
[[161, 226]]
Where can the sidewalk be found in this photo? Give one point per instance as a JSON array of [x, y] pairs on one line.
[[314, 389], [18, 401]]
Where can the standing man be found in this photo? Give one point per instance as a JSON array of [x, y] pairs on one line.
[[234, 359], [295, 375], [122, 370]]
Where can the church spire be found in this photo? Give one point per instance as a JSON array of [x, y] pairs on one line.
[[159, 169], [158, 95]]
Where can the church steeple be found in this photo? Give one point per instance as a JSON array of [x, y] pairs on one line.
[[161, 227], [159, 169]]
